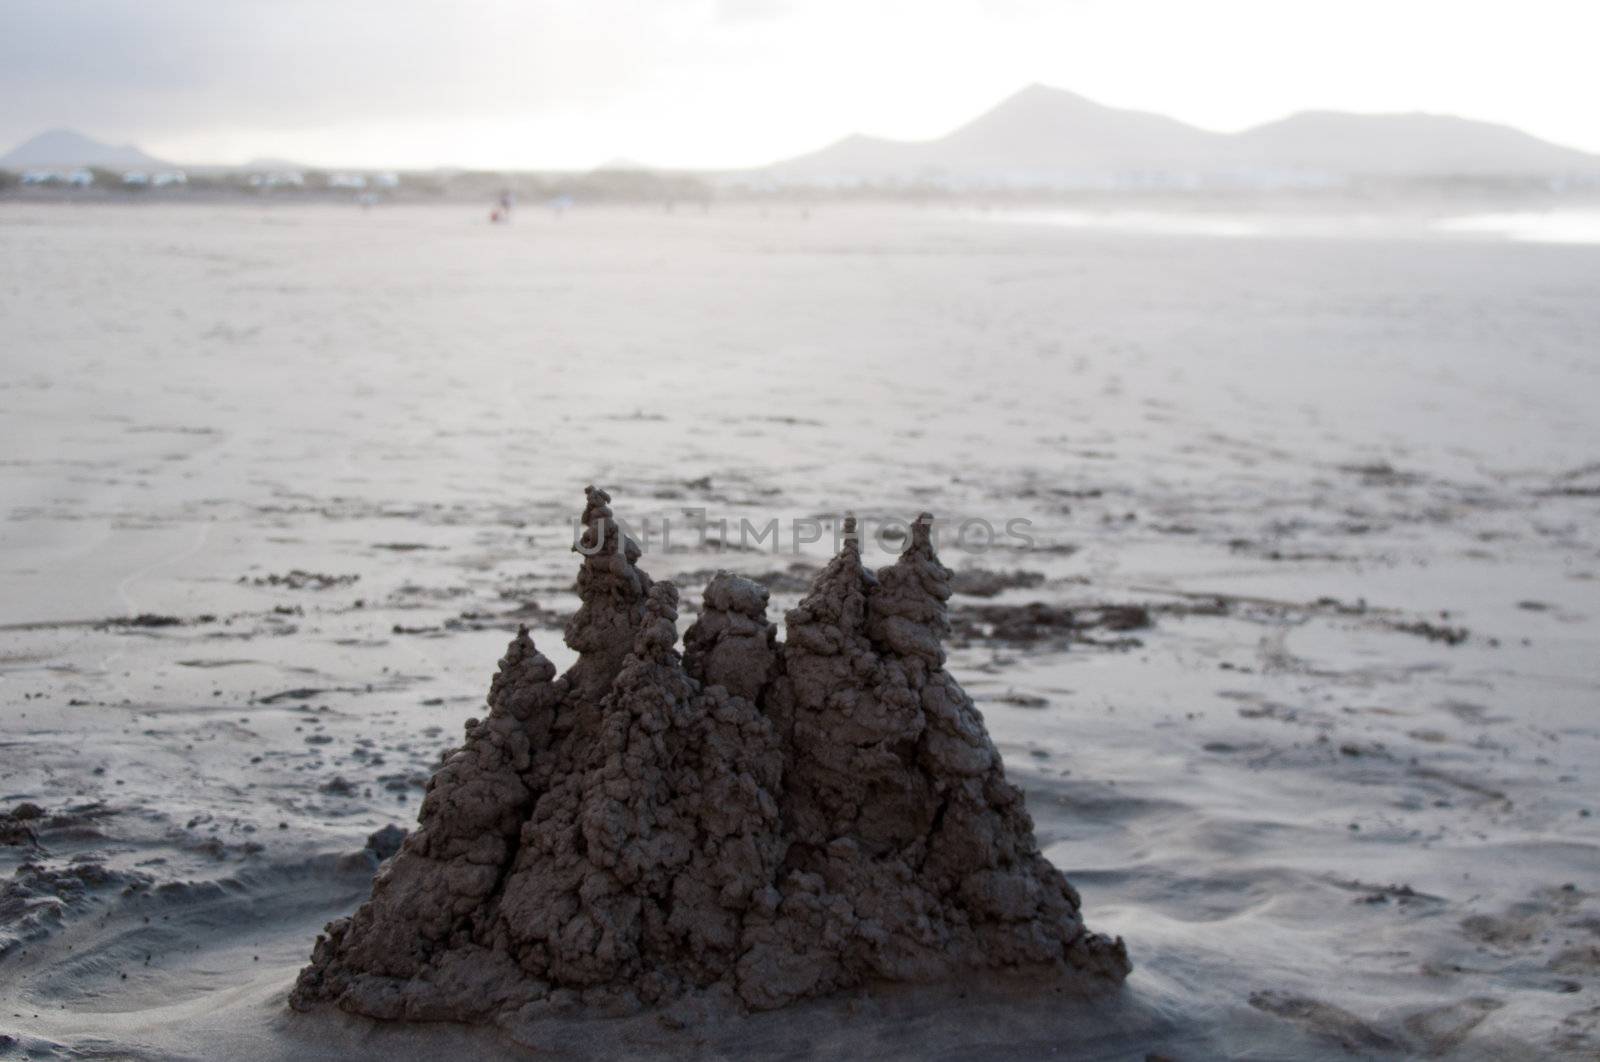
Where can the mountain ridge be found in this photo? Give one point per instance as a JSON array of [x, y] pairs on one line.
[[1041, 133]]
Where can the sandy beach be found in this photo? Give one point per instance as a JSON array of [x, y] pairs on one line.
[[1297, 670]]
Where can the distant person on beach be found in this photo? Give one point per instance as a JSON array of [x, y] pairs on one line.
[[502, 209]]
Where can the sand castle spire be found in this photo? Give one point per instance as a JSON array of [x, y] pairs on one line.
[[908, 612], [613, 591], [731, 644], [437, 887], [658, 630], [834, 609]]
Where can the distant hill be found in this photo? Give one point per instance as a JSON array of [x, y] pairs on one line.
[[1046, 136], [64, 148], [621, 165], [1036, 132], [1404, 144], [272, 165]]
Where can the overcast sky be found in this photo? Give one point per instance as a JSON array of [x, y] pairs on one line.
[[572, 83]]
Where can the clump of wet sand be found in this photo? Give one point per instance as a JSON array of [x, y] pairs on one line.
[[752, 822]]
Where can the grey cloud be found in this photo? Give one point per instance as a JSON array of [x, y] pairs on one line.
[[145, 67]]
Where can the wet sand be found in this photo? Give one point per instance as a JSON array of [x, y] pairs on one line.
[[1298, 677]]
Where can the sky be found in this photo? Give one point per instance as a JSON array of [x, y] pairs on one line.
[[726, 83]]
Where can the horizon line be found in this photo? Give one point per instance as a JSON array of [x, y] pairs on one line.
[[635, 165]]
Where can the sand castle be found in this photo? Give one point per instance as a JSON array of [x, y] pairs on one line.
[[759, 820]]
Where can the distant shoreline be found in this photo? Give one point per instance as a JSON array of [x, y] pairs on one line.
[[1410, 197]]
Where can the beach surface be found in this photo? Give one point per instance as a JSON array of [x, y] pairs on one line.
[[1296, 666]]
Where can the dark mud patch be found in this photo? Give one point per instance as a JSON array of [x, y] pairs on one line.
[[150, 620], [527, 614], [795, 579], [1401, 895], [305, 693], [300, 579], [987, 582], [1325, 1021], [1038, 623], [1433, 632]]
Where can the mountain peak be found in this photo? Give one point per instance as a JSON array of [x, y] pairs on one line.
[[1038, 92]]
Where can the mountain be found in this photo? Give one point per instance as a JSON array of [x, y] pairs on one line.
[[64, 148], [621, 164], [266, 164], [1405, 145], [1039, 130], [1038, 133], [1048, 136]]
